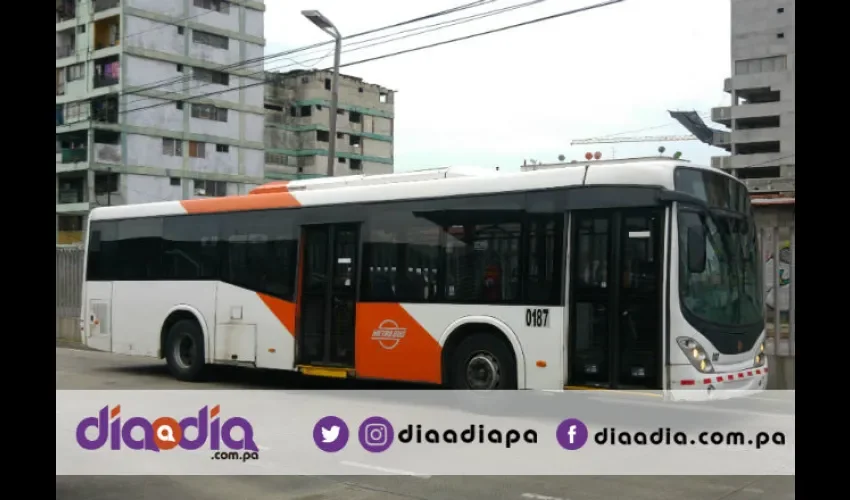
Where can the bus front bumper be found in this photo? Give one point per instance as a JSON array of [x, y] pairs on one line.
[[686, 384]]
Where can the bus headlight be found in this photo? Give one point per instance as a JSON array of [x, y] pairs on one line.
[[759, 359], [696, 354]]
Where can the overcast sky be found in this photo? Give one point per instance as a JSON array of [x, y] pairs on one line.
[[526, 93]]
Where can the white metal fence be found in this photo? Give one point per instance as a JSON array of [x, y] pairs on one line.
[[778, 246], [779, 289], [69, 287]]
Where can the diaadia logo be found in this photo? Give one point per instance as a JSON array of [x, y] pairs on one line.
[[167, 433]]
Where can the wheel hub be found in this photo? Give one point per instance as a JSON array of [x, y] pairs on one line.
[[482, 372]]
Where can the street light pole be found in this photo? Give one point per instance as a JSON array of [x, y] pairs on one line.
[[324, 24]]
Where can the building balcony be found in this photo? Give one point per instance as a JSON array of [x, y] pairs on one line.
[[104, 81], [722, 115], [67, 196], [72, 156], [65, 51], [727, 85], [101, 5], [761, 109], [756, 135], [66, 10], [106, 71]]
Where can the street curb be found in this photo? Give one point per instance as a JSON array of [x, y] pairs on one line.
[[70, 344]]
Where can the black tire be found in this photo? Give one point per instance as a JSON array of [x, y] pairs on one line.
[[184, 351], [495, 353]]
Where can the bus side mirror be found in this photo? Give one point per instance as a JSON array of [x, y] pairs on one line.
[[696, 249]]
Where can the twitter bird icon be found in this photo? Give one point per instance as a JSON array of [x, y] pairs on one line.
[[330, 434]]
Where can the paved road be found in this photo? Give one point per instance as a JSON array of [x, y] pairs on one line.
[[93, 370]]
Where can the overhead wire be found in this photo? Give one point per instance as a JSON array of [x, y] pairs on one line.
[[407, 51], [283, 54], [379, 40]]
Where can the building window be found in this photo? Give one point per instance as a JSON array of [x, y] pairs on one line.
[[354, 140], [306, 111], [222, 148], [81, 28], [205, 38], [209, 76], [175, 181], [210, 188], [209, 112], [327, 83], [382, 97], [179, 104], [356, 164], [322, 136], [179, 68], [354, 117], [780, 35], [276, 159], [180, 30], [197, 149], [172, 147], [780, 10], [216, 5], [761, 65], [74, 72]]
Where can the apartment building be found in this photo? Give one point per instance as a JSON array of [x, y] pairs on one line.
[[143, 110], [761, 118], [297, 126]]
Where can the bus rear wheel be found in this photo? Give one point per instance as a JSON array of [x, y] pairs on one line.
[[184, 351], [483, 362]]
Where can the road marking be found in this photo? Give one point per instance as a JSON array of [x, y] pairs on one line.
[[535, 496], [384, 469], [753, 490]]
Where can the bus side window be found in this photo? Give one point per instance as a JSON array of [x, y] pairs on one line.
[[102, 251]]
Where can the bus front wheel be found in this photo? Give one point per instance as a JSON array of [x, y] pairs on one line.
[[483, 362], [184, 351]]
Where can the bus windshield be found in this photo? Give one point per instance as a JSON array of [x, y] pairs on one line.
[[728, 291]]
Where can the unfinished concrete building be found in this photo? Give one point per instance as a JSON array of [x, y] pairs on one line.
[[297, 131], [762, 115]]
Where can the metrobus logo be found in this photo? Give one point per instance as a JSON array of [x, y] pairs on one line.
[[165, 433], [388, 334]]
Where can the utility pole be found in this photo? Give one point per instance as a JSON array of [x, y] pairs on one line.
[[324, 24]]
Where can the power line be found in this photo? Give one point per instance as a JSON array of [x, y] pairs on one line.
[[265, 58], [420, 30], [410, 50]]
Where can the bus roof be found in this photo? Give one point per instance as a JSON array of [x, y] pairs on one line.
[[430, 183]]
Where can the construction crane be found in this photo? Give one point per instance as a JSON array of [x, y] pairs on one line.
[[646, 138]]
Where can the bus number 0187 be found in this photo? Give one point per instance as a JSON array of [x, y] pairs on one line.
[[537, 318]]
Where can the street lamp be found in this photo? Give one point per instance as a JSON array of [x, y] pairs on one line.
[[324, 24]]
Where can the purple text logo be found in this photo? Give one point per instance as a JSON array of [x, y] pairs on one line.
[[165, 433]]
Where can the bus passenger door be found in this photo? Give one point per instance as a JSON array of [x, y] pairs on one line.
[[615, 321], [327, 294]]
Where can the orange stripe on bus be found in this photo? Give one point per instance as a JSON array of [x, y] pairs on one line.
[[284, 311], [271, 187], [391, 345], [240, 203]]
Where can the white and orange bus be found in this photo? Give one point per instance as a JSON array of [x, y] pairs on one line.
[[631, 275]]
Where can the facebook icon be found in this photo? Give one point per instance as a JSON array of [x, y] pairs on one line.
[[571, 434]]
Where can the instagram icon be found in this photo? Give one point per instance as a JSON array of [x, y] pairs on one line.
[[376, 434]]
